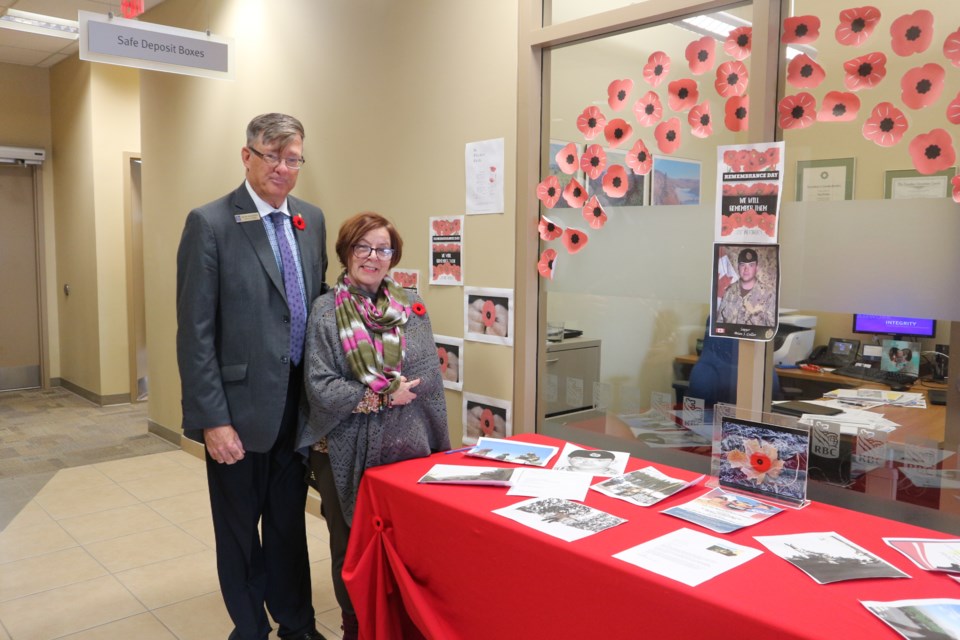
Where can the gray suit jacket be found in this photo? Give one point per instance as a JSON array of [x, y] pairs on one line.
[[233, 327]]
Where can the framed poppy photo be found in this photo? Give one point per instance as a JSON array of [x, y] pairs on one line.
[[906, 184], [675, 181], [485, 417], [450, 353], [564, 164], [488, 315], [618, 185], [825, 180]]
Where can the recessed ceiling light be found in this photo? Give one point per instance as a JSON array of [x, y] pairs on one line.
[[39, 24]]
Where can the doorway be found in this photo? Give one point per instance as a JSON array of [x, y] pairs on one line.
[[136, 305]]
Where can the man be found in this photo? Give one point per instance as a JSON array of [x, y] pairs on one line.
[[246, 277], [748, 301]]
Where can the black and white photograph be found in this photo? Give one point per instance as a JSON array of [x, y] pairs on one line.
[[927, 619], [595, 462], [829, 557], [560, 518], [643, 487], [464, 474]]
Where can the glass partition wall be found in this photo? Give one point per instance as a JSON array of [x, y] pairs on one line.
[[866, 103]]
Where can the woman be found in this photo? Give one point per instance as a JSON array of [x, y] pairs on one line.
[[372, 380]]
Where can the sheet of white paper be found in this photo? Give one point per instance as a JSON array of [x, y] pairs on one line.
[[485, 176], [547, 483], [560, 518]]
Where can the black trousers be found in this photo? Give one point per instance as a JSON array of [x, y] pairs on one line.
[[337, 526], [272, 569]]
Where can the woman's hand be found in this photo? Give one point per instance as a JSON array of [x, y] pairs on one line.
[[404, 394]]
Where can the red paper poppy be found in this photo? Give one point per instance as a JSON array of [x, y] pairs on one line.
[[593, 161], [617, 93], [804, 73], [667, 134], [567, 159], [956, 189], [801, 30], [951, 48], [865, 72], [549, 230], [639, 158], [932, 152], [885, 126], [921, 86], [739, 43], [735, 113], [617, 132], [856, 25], [574, 240], [682, 94], [648, 109], [547, 264], [418, 308], [574, 194], [839, 106], [486, 422], [657, 68], [299, 223], [442, 355], [590, 122], [549, 191], [953, 110], [615, 181], [798, 111], [701, 125], [732, 78], [594, 214], [700, 54], [912, 33]]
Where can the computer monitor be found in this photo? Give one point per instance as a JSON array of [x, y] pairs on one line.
[[901, 356], [894, 325]]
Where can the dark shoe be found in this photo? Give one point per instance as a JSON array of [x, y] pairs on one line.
[[309, 635], [350, 626]]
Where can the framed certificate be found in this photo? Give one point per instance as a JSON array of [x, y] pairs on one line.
[[825, 180], [906, 184]]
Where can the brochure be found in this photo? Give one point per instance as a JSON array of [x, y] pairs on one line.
[[930, 618], [644, 487], [463, 474], [514, 451], [595, 462], [723, 512], [549, 483], [829, 557], [560, 518], [931, 554]]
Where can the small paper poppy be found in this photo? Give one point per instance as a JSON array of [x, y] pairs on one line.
[[574, 240], [701, 125], [486, 421], [932, 152], [732, 78], [956, 189], [488, 313], [617, 132], [739, 43], [667, 134], [801, 30], [885, 126], [657, 68], [921, 86], [548, 191], [299, 223], [548, 263], [797, 111], [549, 230], [912, 33], [648, 109], [856, 25], [418, 308], [700, 54], [736, 112], [574, 194], [567, 159], [951, 48], [617, 93], [593, 161], [803, 72], [615, 181], [839, 106], [953, 110], [594, 214], [682, 94], [865, 72], [590, 122], [639, 158]]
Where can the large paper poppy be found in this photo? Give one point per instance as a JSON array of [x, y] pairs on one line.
[[701, 125], [590, 122], [736, 112], [639, 158], [574, 194], [657, 68], [617, 132], [682, 94], [567, 159], [667, 134], [953, 110], [574, 240], [548, 263], [856, 25], [549, 191], [617, 93], [912, 33], [739, 42], [700, 54], [593, 161], [594, 214], [885, 126], [956, 189], [932, 152], [732, 78], [865, 72], [921, 86], [801, 30], [838, 106], [951, 48], [648, 109], [797, 111], [615, 181], [803, 72], [549, 230]]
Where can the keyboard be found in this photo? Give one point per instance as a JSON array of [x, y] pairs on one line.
[[876, 375]]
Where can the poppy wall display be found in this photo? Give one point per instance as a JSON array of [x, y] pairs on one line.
[[488, 315], [564, 164], [485, 417], [450, 354], [825, 180], [618, 186], [675, 181], [407, 278], [907, 184]]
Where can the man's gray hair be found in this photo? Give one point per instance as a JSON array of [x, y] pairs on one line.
[[274, 129]]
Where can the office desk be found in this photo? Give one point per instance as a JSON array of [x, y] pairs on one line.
[[435, 558]]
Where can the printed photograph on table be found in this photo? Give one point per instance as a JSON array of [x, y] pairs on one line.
[[564, 165], [749, 185], [514, 451], [746, 291], [488, 315], [450, 353], [674, 181], [485, 417], [622, 188], [446, 250], [407, 278], [907, 184]]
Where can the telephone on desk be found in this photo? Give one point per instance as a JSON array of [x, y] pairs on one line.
[[840, 352]]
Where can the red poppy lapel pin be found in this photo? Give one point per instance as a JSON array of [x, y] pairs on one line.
[[299, 222], [418, 308]]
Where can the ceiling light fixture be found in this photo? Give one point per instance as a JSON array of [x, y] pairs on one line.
[[39, 24]]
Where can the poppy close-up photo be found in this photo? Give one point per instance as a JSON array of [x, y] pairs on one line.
[[617, 93], [648, 109]]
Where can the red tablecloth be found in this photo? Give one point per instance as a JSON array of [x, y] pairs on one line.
[[433, 559]]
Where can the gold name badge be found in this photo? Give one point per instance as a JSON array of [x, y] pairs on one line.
[[246, 217]]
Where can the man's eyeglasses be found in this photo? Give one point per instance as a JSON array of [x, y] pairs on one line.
[[273, 160], [362, 251]]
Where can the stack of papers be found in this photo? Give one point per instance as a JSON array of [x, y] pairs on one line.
[[870, 398]]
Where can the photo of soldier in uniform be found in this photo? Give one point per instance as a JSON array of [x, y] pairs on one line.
[[746, 290]]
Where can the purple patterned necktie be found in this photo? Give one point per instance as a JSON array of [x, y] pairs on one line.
[[291, 284]]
